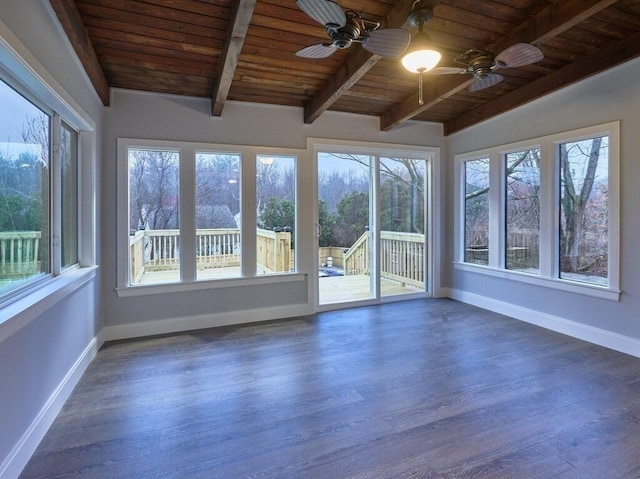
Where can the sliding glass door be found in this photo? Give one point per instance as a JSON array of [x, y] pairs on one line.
[[372, 216]]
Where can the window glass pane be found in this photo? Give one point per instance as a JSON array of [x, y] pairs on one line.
[[522, 220], [344, 185], [218, 215], [584, 226], [154, 235], [69, 166], [276, 207], [24, 190], [402, 225], [476, 211]]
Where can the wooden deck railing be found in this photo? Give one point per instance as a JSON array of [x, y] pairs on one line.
[[401, 257], [159, 250], [273, 251], [19, 253]]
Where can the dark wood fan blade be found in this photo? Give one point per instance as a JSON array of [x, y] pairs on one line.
[[518, 55], [319, 50], [325, 12], [387, 42], [492, 79]]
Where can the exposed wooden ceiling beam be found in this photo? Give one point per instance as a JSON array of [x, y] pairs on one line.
[[548, 23], [615, 54], [552, 21], [236, 33], [357, 65], [71, 21]]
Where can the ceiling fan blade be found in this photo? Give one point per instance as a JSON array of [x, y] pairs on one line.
[[387, 42], [325, 12], [486, 82], [319, 50], [446, 71], [518, 55]]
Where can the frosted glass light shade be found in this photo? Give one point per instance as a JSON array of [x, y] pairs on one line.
[[421, 60], [420, 56]]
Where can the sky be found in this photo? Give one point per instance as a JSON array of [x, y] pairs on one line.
[[14, 111]]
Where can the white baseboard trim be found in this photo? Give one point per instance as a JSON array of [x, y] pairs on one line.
[[601, 337], [203, 321], [17, 459]]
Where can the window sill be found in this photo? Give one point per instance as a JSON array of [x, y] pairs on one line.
[[165, 288], [20, 312], [595, 291]]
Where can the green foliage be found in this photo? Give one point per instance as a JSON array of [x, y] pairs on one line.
[[21, 196], [352, 218], [402, 206], [327, 224], [277, 213], [20, 213]]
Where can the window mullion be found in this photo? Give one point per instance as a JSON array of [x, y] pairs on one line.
[[496, 211], [56, 196], [548, 211], [374, 229], [248, 217], [187, 216]]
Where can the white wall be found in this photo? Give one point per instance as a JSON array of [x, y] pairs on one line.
[[164, 117], [607, 97], [40, 362]]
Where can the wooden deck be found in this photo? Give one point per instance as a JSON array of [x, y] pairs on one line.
[[338, 289], [333, 289]]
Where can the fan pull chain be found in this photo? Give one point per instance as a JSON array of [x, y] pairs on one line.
[[420, 100]]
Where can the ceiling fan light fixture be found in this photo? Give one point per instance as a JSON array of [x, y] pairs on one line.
[[420, 57]]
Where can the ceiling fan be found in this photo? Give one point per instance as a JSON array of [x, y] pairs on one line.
[[483, 64], [347, 27]]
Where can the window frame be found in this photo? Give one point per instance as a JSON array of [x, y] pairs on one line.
[[188, 150], [548, 275], [21, 71]]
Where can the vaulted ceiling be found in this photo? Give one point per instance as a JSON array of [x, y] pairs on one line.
[[244, 50]]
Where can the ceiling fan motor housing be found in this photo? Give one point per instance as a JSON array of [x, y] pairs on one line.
[[342, 37], [480, 63]]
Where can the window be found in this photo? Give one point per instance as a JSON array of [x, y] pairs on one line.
[[557, 217], [476, 211], [154, 215], [69, 189], [276, 206], [38, 193], [202, 213], [218, 235], [584, 200], [24, 190], [522, 214]]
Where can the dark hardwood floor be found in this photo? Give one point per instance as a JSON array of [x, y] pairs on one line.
[[418, 389]]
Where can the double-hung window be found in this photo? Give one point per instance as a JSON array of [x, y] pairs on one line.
[[544, 211]]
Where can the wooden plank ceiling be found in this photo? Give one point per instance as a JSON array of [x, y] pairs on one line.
[[244, 50]]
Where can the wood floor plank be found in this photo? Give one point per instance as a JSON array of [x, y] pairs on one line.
[[416, 389]]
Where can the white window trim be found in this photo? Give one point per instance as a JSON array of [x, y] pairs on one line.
[[187, 150], [24, 72], [548, 276]]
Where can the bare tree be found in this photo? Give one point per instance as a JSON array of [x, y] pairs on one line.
[[579, 166]]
